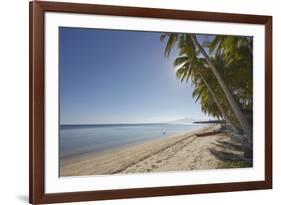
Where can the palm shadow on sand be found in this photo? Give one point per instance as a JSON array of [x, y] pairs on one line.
[[230, 154]]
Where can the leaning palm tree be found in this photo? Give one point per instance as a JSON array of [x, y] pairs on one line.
[[194, 70], [236, 68], [195, 49], [235, 108]]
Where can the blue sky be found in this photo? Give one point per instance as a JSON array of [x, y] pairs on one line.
[[109, 76]]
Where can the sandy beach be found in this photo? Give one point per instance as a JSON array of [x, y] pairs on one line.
[[204, 148]]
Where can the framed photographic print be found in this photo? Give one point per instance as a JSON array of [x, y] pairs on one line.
[[139, 102]]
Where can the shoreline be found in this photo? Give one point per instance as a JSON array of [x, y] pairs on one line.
[[81, 156], [121, 159]]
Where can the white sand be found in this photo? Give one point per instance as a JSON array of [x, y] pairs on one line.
[[177, 153]]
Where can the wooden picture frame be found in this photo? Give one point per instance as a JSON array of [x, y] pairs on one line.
[[37, 11]]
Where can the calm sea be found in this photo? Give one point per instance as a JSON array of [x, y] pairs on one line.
[[80, 139]]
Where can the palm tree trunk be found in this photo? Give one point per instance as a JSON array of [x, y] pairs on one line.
[[236, 110], [224, 115]]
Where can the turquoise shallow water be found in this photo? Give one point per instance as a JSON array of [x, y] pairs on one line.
[[80, 139]]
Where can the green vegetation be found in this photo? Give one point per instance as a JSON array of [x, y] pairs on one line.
[[220, 69]]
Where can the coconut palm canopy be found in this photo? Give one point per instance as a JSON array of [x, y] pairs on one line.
[[220, 69]]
